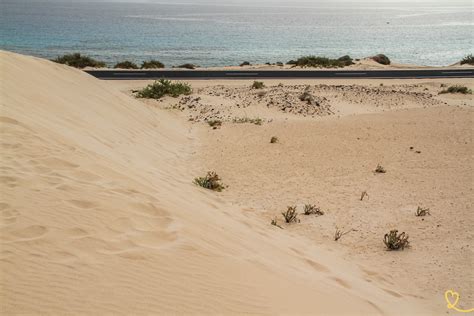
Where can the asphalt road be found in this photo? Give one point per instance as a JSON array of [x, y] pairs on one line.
[[279, 74]]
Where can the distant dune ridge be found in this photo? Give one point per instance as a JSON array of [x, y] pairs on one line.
[[99, 215]]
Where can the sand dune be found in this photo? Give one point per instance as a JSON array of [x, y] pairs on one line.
[[99, 215]]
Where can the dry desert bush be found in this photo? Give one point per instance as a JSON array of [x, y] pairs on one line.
[[211, 182], [395, 241]]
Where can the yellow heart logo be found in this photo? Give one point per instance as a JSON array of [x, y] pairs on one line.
[[452, 298]]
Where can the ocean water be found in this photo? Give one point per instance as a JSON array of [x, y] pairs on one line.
[[427, 33]]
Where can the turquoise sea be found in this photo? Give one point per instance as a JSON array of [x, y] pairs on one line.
[[221, 33]]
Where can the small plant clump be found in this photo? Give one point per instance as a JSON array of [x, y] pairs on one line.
[[187, 66], [258, 85], [310, 209], [241, 120], [275, 223], [422, 211], [338, 234], [79, 61], [245, 63], [152, 64], [395, 241], [215, 123], [274, 140], [381, 59], [457, 89], [363, 195], [126, 65], [469, 59], [163, 87], [211, 182], [291, 216], [380, 169], [315, 61]]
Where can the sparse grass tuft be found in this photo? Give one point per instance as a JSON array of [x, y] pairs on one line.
[[422, 211], [274, 140], [457, 89], [291, 216], [395, 241], [380, 169], [211, 182], [126, 65], [275, 223], [241, 120], [381, 59], [79, 61], [163, 87], [469, 59], [338, 234], [315, 61], [312, 210], [258, 85], [152, 64]]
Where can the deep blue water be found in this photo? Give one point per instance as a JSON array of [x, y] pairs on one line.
[[209, 35]]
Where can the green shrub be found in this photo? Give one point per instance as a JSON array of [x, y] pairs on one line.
[[79, 61], [163, 87], [258, 85], [469, 59], [126, 65], [457, 89], [316, 61], [393, 241], [211, 182], [381, 59], [152, 64], [187, 66]]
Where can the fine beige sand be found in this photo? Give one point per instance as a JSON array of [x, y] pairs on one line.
[[99, 214]]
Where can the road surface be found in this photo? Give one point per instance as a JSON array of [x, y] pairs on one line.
[[279, 74]]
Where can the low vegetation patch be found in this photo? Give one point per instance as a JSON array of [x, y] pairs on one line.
[[126, 65], [381, 59], [363, 195], [187, 66], [274, 140], [152, 64], [380, 169], [163, 87], [245, 63], [79, 61], [242, 120], [258, 85], [310, 209], [395, 241], [211, 182], [422, 211], [214, 123], [469, 59], [457, 89], [291, 216], [322, 62]]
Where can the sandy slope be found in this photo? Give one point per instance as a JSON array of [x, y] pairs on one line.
[[327, 157], [98, 215]]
